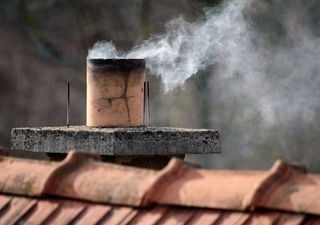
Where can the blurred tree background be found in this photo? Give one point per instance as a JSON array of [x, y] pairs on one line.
[[43, 44]]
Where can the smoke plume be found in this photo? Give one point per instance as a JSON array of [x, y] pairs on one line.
[[266, 84], [185, 48]]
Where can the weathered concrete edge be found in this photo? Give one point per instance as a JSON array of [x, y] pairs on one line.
[[110, 143], [34, 141]]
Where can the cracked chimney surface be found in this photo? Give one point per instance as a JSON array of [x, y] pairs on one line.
[[115, 92]]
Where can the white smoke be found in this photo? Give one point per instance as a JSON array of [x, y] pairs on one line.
[[269, 68], [103, 50], [265, 86], [185, 48], [277, 73]]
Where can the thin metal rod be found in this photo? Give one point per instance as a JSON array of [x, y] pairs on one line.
[[148, 99], [144, 102], [68, 105]]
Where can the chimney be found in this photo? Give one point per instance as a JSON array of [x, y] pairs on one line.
[[115, 127], [115, 92]]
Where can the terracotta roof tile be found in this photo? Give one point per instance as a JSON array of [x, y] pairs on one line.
[[43, 211], [264, 218], [291, 219], [16, 210], [79, 176], [151, 216], [177, 216], [283, 187], [205, 217], [118, 215], [83, 177], [62, 211], [67, 212], [94, 214], [235, 218], [4, 202]]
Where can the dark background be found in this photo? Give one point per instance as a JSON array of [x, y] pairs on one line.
[[43, 44]]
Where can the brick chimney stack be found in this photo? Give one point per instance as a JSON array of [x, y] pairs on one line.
[[115, 125]]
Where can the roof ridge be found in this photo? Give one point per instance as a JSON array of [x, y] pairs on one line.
[[50, 182], [163, 177], [79, 176], [279, 173]]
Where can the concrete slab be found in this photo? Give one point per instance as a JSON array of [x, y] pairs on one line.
[[117, 141]]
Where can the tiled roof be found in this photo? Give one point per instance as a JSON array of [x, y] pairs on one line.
[[84, 190], [23, 210]]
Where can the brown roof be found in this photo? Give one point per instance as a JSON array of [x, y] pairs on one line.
[[84, 190], [24, 210]]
